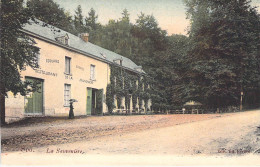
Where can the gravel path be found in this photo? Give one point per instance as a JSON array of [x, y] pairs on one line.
[[51, 131], [137, 140], [228, 135]]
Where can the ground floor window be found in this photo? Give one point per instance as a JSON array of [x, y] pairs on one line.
[[67, 93]]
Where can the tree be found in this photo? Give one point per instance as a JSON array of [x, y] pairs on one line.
[[224, 37], [116, 36], [78, 20], [150, 52], [174, 68], [125, 16], [17, 50], [150, 40], [93, 27], [51, 13], [91, 20]]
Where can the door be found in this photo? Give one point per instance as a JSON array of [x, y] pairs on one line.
[[34, 101], [94, 100], [99, 101], [89, 101]]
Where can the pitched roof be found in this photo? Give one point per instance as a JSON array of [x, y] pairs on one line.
[[49, 32]]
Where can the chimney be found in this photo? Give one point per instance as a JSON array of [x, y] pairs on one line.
[[84, 36]]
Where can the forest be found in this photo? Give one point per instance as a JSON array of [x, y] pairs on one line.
[[218, 60], [213, 64]]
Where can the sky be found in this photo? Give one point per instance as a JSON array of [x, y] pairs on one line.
[[170, 14]]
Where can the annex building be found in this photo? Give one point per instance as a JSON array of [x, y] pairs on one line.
[[70, 67]]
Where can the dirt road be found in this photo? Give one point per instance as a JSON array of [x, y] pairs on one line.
[[212, 139], [39, 132]]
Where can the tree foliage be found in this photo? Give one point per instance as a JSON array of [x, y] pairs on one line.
[[18, 50], [51, 13], [78, 20], [91, 21], [224, 38]]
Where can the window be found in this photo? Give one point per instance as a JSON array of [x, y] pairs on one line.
[[92, 72], [67, 94], [118, 61], [67, 65], [61, 40], [66, 41], [38, 59], [123, 84], [115, 80]]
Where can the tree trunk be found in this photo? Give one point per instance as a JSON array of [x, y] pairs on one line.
[[2, 85], [2, 104]]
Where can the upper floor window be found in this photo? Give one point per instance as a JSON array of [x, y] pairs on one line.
[[123, 82], [118, 61], [38, 60], [67, 65], [139, 68], [92, 72], [64, 39], [115, 80]]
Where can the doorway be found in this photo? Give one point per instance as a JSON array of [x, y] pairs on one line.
[[34, 100], [94, 104]]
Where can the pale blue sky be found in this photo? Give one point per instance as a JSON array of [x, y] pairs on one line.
[[170, 14]]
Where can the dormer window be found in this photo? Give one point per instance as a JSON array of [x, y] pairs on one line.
[[118, 61], [139, 68], [66, 42], [64, 39]]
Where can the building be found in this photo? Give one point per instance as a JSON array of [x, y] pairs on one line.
[[70, 67]]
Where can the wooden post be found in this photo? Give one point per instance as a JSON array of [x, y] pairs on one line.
[[241, 101]]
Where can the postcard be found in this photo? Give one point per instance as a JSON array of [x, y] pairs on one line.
[[130, 83]]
